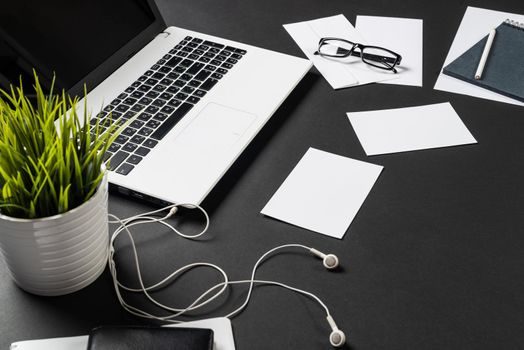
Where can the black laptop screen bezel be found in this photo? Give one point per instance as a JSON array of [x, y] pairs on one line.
[[122, 55], [24, 61]]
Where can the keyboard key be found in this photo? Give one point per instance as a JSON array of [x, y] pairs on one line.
[[174, 102], [179, 69], [153, 124], [144, 88], [192, 44], [125, 169], [137, 124], [220, 58], [198, 52], [145, 131], [194, 83], [216, 76], [121, 139], [214, 50], [209, 55], [222, 70], [164, 70], [199, 93], [193, 99], [208, 84], [173, 75], [152, 109], [166, 96], [181, 96], [226, 52], [166, 81], [106, 157], [195, 68], [196, 40], [114, 147], [155, 67], [137, 94], [179, 83], [150, 143], [236, 56], [173, 61], [122, 108], [117, 159], [240, 51], [202, 75], [171, 121], [129, 131], [167, 109], [137, 108], [129, 90], [230, 48], [186, 63], [231, 60], [188, 90], [187, 49], [142, 151], [187, 38], [144, 117], [211, 67], [149, 73], [138, 139], [182, 53], [145, 101], [227, 65], [153, 94], [159, 103], [159, 88], [161, 116], [186, 77], [142, 78], [134, 159], [204, 59], [122, 96], [192, 56], [158, 75], [129, 147], [203, 47], [115, 102], [173, 89]]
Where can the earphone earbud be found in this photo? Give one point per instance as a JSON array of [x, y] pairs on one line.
[[337, 338], [330, 261]]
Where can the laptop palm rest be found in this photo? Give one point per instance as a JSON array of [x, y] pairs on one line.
[[215, 129], [200, 154]]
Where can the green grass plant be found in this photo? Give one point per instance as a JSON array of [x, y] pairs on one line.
[[48, 167]]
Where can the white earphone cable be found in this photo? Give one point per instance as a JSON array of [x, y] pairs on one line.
[[205, 298]]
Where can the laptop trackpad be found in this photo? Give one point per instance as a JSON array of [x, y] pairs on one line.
[[214, 130]]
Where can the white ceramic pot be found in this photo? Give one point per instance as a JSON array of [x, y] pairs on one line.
[[59, 254]]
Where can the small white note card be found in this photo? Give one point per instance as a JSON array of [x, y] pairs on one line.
[[401, 35], [323, 193], [409, 129]]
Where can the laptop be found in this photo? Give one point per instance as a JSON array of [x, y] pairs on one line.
[[202, 98]]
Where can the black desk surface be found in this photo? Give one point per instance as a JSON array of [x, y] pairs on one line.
[[434, 258]]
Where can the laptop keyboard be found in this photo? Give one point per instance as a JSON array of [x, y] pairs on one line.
[[162, 96]]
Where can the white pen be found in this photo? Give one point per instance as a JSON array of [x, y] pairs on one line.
[[485, 54]]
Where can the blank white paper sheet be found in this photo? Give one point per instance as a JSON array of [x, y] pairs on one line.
[[323, 193], [401, 35], [410, 129]]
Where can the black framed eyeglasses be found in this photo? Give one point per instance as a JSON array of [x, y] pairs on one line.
[[375, 56]]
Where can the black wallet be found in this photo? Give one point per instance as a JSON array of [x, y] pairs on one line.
[[145, 338]]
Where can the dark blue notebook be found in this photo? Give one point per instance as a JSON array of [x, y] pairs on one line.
[[504, 69]]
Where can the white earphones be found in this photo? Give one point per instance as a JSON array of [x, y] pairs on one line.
[[330, 261], [337, 338]]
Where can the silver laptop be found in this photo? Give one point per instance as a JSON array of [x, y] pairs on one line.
[[203, 98]]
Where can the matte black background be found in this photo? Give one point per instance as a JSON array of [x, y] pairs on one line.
[[433, 260]]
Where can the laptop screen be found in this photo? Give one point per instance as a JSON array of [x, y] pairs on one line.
[[72, 39]]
